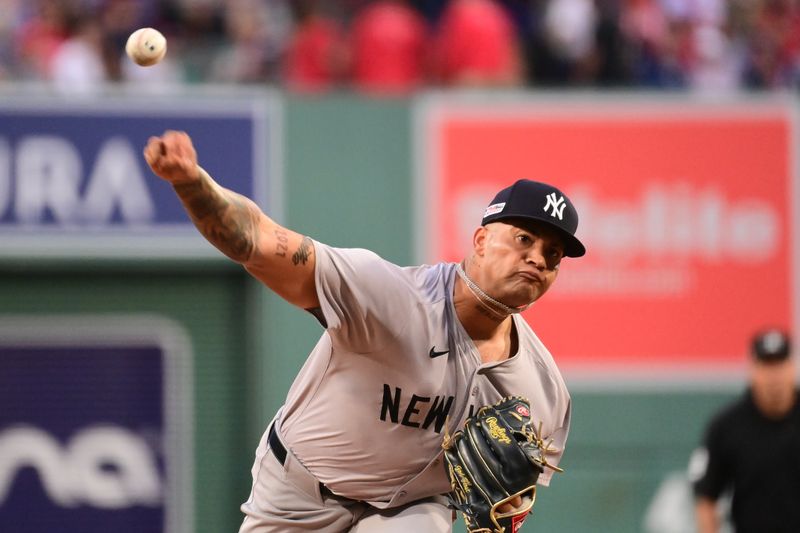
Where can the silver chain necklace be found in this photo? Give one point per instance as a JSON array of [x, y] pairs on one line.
[[485, 298]]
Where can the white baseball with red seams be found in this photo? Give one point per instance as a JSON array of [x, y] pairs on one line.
[[146, 46]]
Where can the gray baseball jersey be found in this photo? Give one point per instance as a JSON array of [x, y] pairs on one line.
[[367, 412]]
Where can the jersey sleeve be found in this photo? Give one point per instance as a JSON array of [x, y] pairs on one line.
[[709, 468], [364, 299]]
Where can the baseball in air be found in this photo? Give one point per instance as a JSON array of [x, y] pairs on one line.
[[146, 46]]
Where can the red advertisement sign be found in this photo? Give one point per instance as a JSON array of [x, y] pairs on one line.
[[686, 213]]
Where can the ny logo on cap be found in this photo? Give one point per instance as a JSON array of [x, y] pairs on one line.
[[557, 205]]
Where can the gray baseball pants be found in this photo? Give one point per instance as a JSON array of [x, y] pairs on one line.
[[286, 498]]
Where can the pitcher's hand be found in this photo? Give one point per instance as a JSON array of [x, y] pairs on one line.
[[172, 157]]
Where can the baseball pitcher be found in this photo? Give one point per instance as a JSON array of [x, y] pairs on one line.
[[427, 394]]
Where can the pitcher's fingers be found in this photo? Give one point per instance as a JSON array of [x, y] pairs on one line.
[[182, 145], [173, 138], [153, 150]]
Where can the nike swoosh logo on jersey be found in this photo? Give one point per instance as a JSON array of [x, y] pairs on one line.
[[433, 353]]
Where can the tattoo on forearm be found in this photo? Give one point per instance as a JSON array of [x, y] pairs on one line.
[[227, 219], [303, 251], [282, 244]]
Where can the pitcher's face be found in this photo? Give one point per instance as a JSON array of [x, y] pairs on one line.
[[518, 260]]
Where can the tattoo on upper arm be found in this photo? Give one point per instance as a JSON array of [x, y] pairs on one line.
[[303, 251], [282, 246]]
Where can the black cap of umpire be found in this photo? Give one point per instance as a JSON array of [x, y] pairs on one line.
[[771, 346]]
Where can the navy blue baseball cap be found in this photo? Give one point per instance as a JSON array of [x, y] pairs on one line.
[[538, 201], [771, 346]]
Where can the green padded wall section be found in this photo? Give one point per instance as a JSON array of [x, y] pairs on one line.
[[347, 182], [210, 305], [622, 446]]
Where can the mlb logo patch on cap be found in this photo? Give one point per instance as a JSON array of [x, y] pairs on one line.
[[494, 209]]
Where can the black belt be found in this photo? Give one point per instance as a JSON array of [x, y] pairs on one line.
[[279, 451], [275, 444]]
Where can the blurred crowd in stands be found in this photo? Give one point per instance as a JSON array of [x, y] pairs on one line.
[[393, 47]]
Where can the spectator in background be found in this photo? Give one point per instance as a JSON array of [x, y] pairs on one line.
[[569, 30], [656, 44], [12, 15], [251, 53], [774, 45], [476, 45], [201, 34], [39, 37], [77, 65], [315, 58], [752, 447], [388, 46], [118, 18], [707, 55], [715, 66], [612, 66]]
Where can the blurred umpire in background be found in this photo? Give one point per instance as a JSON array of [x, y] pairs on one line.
[[752, 448]]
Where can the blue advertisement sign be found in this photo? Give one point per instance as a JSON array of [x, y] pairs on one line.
[[73, 180], [93, 428]]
